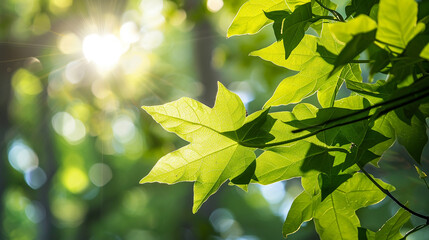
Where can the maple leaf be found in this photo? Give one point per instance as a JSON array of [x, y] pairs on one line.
[[211, 157]]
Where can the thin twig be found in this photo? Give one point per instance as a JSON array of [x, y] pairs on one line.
[[335, 13], [389, 44], [385, 191], [381, 113], [362, 61]]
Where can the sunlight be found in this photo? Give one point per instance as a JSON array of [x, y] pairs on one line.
[[103, 50]]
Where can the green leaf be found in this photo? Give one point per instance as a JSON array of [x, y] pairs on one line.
[[278, 18], [252, 132], [294, 27], [334, 217], [425, 52], [397, 23], [301, 211], [381, 60], [324, 152], [344, 31], [251, 18], [246, 176], [353, 48], [405, 124], [299, 57], [211, 158], [311, 79], [390, 230], [358, 7]]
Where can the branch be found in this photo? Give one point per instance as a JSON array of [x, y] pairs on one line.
[[362, 61], [385, 191], [377, 115], [336, 14], [393, 100]]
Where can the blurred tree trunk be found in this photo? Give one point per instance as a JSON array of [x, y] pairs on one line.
[[198, 226], [40, 139], [203, 50], [5, 89]]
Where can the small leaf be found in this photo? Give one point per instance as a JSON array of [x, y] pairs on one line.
[[353, 48], [358, 7], [425, 52], [299, 57], [344, 31], [420, 172], [246, 176], [329, 183], [277, 17], [381, 60], [294, 27], [251, 18], [252, 132]]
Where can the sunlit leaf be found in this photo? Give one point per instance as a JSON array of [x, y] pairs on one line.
[[211, 158], [353, 48], [311, 79], [425, 52], [344, 31], [251, 18], [358, 7], [334, 217], [397, 23], [294, 27]]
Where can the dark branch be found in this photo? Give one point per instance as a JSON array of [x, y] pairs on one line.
[[393, 100], [336, 14], [385, 191]]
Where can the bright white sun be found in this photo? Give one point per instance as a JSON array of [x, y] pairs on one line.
[[103, 50]]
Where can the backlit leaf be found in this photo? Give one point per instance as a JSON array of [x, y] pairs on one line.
[[397, 23], [211, 158], [251, 18], [335, 216]]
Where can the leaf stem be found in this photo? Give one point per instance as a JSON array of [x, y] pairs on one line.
[[317, 18], [385, 191], [362, 61], [393, 100], [389, 44], [414, 230], [336, 14], [385, 111]]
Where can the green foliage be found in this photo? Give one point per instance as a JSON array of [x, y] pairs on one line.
[[326, 147]]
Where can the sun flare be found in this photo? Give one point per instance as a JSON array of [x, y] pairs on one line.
[[103, 50]]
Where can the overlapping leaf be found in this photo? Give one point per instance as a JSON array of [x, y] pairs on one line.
[[312, 51], [251, 18], [335, 216], [332, 152], [405, 123]]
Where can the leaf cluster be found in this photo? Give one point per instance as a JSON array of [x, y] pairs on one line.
[[326, 147]]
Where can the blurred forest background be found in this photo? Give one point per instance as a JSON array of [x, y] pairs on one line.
[[74, 142]]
